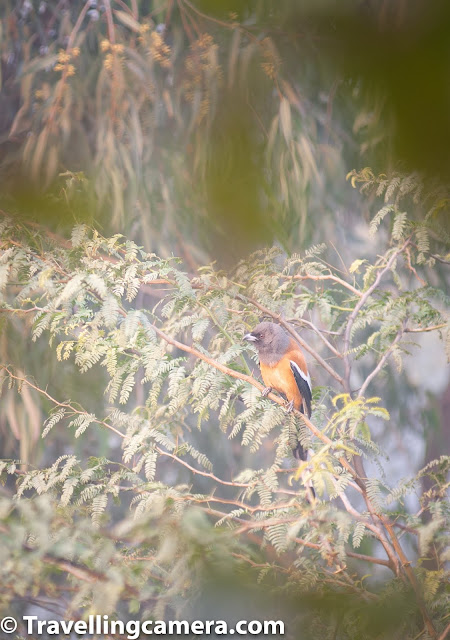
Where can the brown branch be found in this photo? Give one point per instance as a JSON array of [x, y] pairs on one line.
[[439, 258], [433, 255], [319, 333], [372, 559], [110, 21], [77, 26], [259, 565], [406, 566], [413, 269], [201, 473], [404, 527], [371, 526], [350, 554], [312, 545], [82, 573], [228, 25], [445, 633], [124, 6], [343, 283], [381, 363], [242, 505], [433, 328], [64, 405]]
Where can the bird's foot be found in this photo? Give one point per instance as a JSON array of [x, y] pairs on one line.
[[289, 406], [265, 392]]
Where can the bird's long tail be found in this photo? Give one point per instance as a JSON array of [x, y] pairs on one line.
[[301, 454]]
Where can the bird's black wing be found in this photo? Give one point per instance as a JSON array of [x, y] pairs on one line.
[[303, 385]]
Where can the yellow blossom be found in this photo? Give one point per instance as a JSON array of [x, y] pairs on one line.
[[63, 56], [269, 69], [108, 62], [157, 39]]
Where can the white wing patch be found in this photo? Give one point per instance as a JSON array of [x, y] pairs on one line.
[[306, 377]]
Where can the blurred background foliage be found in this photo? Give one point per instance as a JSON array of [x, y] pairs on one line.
[[207, 128], [184, 124]]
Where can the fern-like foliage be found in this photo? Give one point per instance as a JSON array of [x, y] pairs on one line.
[[200, 460]]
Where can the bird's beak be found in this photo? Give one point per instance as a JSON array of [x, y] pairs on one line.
[[249, 337]]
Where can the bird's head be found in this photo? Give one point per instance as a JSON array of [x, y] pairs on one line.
[[269, 338]]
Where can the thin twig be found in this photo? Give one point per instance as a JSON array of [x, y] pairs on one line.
[[332, 277], [64, 405], [381, 363], [319, 332], [351, 554], [201, 473], [425, 329]]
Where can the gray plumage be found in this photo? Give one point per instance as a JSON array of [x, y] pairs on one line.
[[271, 342]]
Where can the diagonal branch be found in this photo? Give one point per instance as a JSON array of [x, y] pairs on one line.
[[381, 363], [64, 405], [318, 332]]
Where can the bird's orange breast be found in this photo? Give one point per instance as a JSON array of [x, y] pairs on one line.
[[281, 378]]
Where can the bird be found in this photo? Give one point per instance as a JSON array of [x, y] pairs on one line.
[[283, 368]]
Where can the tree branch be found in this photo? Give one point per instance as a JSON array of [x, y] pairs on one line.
[[64, 405], [381, 364], [319, 333], [446, 631], [201, 473], [334, 278], [425, 329]]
